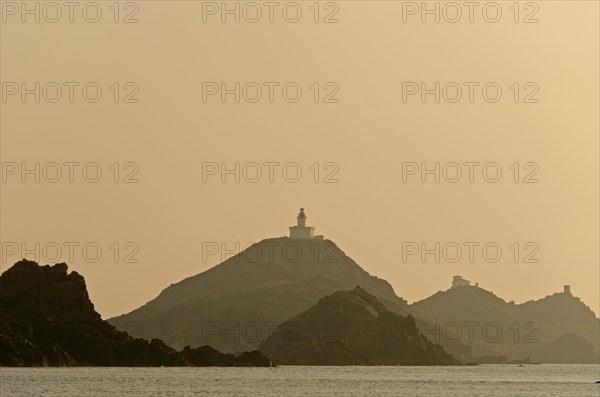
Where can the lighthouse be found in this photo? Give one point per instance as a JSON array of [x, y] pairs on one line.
[[301, 231]]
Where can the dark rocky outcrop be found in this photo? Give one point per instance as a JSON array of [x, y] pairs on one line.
[[352, 328], [47, 319], [206, 356]]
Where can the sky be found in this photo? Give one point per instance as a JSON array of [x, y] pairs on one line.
[[209, 132]]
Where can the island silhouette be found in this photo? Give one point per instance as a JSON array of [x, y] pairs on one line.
[[288, 300]]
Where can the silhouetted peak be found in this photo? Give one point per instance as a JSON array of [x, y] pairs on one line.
[[46, 286]]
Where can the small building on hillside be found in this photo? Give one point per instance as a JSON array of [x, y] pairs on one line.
[[458, 281]]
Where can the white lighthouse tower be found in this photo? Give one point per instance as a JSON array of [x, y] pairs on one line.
[[301, 231]]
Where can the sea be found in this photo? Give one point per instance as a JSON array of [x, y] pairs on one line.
[[290, 381]]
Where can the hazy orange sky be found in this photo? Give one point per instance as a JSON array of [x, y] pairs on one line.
[[367, 58]]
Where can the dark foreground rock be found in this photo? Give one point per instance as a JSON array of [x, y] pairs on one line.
[[352, 328], [47, 319]]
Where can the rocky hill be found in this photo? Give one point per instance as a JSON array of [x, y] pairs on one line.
[[352, 328], [236, 304], [543, 329], [47, 319]]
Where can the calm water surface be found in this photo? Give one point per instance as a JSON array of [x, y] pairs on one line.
[[484, 381]]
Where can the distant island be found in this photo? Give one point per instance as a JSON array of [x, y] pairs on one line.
[[557, 329]]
